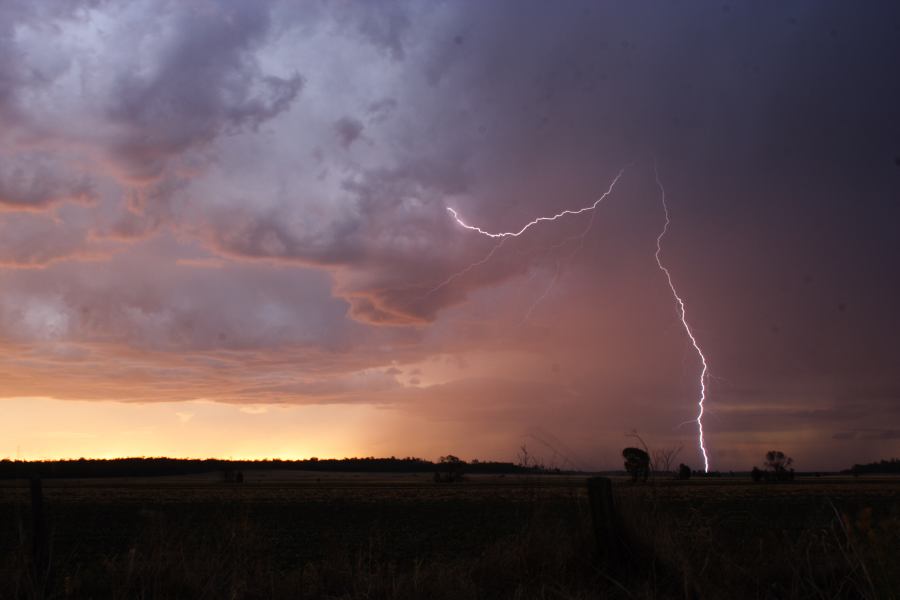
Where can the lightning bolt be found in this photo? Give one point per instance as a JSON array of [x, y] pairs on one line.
[[530, 224], [683, 316], [503, 236]]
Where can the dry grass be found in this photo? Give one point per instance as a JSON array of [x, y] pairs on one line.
[[790, 543], [482, 539]]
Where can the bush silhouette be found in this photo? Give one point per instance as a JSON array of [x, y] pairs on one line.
[[637, 463]]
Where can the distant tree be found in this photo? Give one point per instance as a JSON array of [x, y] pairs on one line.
[[524, 459], [449, 469], [881, 467], [528, 461], [778, 466], [664, 458], [641, 464], [777, 461], [756, 474], [637, 463], [684, 472]]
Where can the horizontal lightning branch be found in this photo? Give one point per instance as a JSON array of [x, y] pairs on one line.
[[529, 225], [503, 236]]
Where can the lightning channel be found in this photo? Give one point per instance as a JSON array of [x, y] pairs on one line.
[[529, 225], [682, 312], [558, 271], [503, 236], [462, 272], [704, 373]]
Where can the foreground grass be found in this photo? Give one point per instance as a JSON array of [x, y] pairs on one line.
[[522, 538]]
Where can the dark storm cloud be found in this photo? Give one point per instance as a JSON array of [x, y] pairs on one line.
[[35, 181], [225, 308], [28, 240], [619, 85], [14, 75], [147, 208], [348, 130], [206, 82], [383, 23]]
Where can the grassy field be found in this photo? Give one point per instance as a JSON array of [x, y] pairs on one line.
[[313, 535]]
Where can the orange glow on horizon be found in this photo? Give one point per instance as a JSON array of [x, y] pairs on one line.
[[49, 429]]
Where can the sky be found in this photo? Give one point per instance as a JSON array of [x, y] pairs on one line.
[[224, 229]]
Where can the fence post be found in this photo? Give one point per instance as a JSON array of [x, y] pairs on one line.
[[605, 521], [38, 530]]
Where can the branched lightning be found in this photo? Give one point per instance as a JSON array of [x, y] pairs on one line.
[[504, 235], [545, 293], [558, 271], [458, 274], [528, 226], [682, 315]]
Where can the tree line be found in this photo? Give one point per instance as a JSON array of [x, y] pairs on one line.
[[882, 467], [161, 466]]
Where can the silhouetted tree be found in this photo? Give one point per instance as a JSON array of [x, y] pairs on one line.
[[637, 463], [778, 466], [684, 472], [524, 458], [756, 474], [663, 458], [777, 461], [449, 469]]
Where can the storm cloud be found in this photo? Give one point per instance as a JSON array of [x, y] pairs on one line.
[[246, 202]]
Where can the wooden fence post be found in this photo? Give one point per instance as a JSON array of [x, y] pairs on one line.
[[38, 530], [603, 516]]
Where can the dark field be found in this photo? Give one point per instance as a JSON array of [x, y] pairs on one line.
[[300, 535]]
